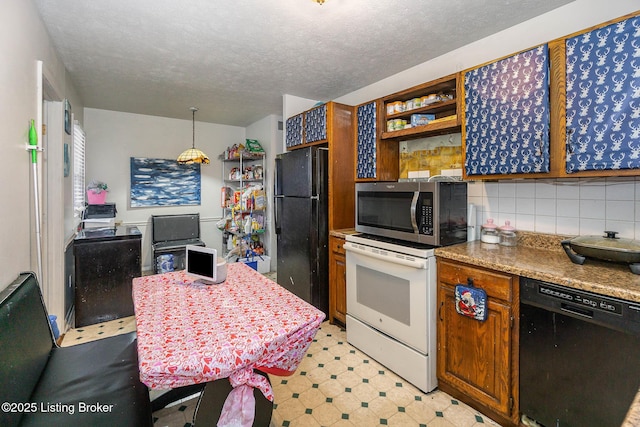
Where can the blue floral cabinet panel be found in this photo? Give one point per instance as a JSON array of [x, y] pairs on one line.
[[507, 115], [315, 124], [293, 129], [366, 154], [603, 98]]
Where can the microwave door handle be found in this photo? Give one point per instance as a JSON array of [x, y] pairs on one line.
[[414, 211]]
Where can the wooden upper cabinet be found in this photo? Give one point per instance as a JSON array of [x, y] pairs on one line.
[[318, 125], [603, 98], [587, 122], [308, 127], [376, 159], [438, 99], [330, 125], [506, 116], [293, 131], [315, 124], [366, 140]]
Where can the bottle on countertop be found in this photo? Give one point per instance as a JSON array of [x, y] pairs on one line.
[[508, 234], [489, 232]]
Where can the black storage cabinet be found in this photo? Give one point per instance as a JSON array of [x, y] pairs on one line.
[[106, 261]]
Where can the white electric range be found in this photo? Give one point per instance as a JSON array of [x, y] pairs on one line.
[[391, 305]]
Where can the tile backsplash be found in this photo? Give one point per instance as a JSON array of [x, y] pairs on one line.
[[577, 206]]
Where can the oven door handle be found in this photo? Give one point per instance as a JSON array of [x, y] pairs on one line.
[[421, 264]]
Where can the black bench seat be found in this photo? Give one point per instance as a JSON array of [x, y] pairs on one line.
[[91, 384]]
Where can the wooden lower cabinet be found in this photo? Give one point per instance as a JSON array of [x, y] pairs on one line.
[[477, 361], [337, 281]]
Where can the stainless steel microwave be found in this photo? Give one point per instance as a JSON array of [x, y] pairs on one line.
[[431, 213]]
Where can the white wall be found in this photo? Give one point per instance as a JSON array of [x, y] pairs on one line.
[[114, 137], [568, 206], [269, 135], [23, 41]]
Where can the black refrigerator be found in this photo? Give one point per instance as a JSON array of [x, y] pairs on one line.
[[301, 224]]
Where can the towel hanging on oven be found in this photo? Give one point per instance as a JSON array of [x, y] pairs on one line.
[[471, 301]]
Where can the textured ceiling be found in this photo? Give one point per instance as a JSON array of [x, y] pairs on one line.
[[235, 59]]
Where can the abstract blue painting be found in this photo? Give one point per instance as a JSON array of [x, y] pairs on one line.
[[164, 182]]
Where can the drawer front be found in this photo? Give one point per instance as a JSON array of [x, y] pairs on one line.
[[496, 284], [337, 245]]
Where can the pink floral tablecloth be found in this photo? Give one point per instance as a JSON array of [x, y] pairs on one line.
[[190, 333]]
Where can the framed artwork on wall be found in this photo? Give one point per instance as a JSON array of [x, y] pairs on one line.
[[67, 117], [163, 182], [66, 159]]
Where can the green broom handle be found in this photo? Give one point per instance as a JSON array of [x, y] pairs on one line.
[[33, 140]]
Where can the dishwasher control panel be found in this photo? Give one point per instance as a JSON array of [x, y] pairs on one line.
[[597, 302], [600, 309]]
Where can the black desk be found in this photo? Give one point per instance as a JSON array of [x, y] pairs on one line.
[[106, 261]]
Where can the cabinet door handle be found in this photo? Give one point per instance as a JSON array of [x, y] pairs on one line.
[[537, 145], [568, 143], [440, 311]]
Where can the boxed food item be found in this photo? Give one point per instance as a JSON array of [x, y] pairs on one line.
[[260, 200], [254, 146], [446, 118], [226, 197], [421, 119]]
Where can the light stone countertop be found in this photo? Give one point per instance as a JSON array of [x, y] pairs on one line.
[[541, 256], [342, 233]]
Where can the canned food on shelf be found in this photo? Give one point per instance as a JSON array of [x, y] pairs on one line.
[[390, 126], [398, 107], [396, 124], [391, 108], [409, 105], [417, 102], [429, 99]]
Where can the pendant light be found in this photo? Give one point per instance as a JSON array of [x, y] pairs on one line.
[[193, 155]]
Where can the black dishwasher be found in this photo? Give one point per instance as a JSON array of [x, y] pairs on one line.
[[579, 356]]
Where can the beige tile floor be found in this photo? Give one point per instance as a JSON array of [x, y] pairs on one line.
[[335, 385]]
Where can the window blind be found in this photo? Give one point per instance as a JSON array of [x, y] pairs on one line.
[[78, 170]]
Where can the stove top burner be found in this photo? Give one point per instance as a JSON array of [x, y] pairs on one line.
[[395, 245]]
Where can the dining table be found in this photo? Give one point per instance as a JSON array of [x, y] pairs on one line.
[[192, 333]]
